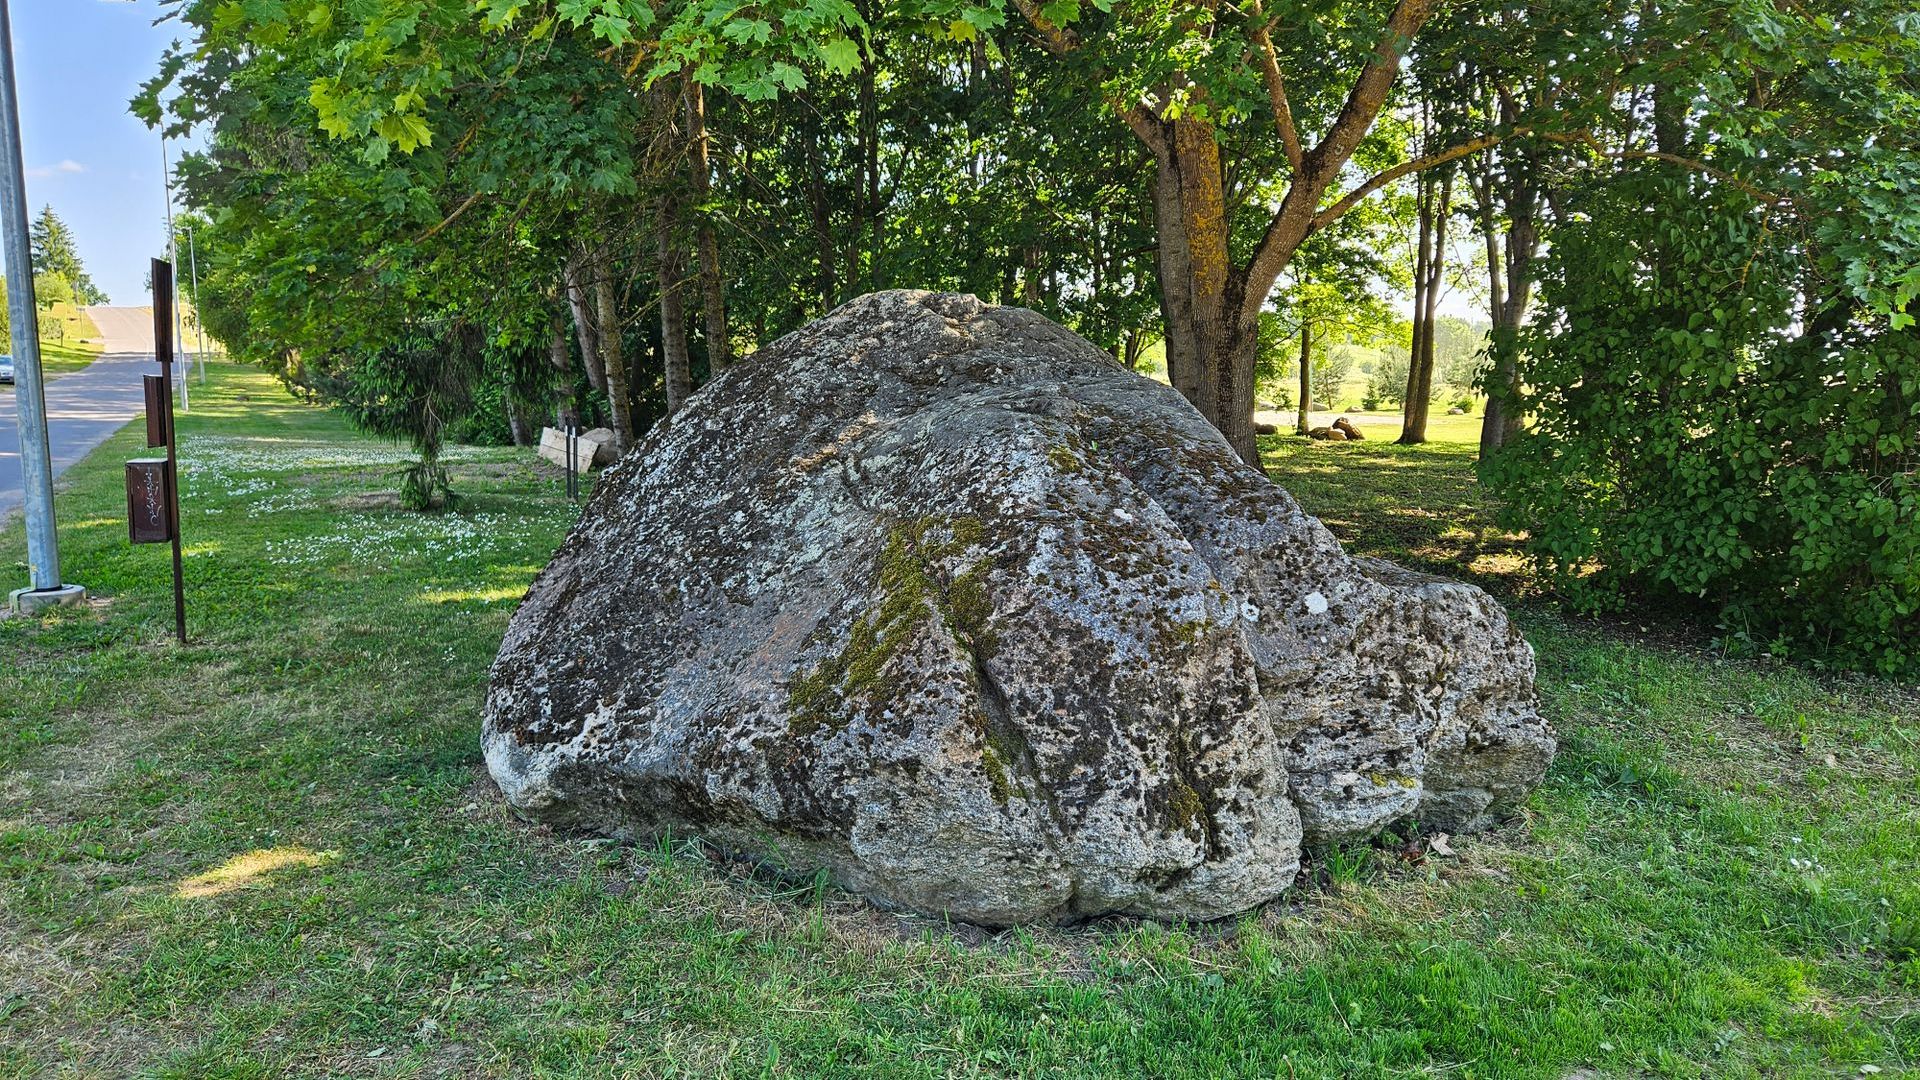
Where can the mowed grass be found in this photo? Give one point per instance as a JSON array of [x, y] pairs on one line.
[[1419, 505], [73, 345], [276, 852]]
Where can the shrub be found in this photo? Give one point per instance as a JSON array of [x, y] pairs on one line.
[[1712, 421]]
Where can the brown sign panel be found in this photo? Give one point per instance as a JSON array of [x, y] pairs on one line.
[[149, 501], [158, 400], [162, 271]]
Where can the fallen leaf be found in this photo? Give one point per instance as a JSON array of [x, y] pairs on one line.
[[1439, 844]]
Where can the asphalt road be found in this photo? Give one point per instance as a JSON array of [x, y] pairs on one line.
[[85, 406]]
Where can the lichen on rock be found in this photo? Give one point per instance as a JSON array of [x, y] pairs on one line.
[[937, 597]]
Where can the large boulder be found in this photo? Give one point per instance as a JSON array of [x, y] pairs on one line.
[[938, 597]]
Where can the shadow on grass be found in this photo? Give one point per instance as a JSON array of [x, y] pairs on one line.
[[1421, 506]]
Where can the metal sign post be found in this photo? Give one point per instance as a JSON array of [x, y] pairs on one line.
[[153, 484], [573, 462]]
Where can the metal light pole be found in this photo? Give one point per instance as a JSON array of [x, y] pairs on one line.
[[179, 329], [29, 393], [199, 328]]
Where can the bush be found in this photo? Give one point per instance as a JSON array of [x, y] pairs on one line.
[[1698, 433]]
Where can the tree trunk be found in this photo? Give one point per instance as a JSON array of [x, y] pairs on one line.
[[673, 320], [820, 214], [1211, 341], [713, 301], [1303, 425], [578, 275], [567, 408], [1212, 307], [516, 421], [1422, 260], [613, 353], [1435, 208], [1523, 193]]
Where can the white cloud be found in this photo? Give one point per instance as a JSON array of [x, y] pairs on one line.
[[67, 165]]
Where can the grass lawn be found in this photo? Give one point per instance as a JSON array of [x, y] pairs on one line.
[[73, 346], [276, 852]]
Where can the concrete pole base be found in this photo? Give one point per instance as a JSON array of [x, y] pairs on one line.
[[32, 601]]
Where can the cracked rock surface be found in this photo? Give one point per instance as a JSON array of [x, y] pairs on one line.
[[936, 596]]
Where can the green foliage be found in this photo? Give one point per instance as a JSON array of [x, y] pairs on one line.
[[50, 288], [1330, 369], [1724, 369], [58, 272], [1388, 382], [1694, 438]]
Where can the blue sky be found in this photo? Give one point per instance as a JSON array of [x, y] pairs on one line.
[[79, 62]]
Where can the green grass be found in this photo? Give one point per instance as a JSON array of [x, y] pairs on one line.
[[68, 340], [276, 852]]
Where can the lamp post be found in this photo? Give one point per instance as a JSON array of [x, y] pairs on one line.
[[30, 392], [179, 329], [199, 328]]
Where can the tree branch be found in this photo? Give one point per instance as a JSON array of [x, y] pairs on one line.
[[1369, 90], [1276, 87], [1590, 141], [1146, 126], [1060, 41], [1294, 221], [449, 219], [1057, 39], [1420, 164]]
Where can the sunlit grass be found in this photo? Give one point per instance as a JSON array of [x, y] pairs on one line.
[[249, 869]]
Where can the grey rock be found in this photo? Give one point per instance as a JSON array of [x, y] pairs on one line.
[[938, 597], [603, 448]]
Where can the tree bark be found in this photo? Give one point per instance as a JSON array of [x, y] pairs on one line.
[[1435, 208], [820, 214], [713, 301], [673, 319], [516, 421], [1303, 425], [613, 353], [1522, 193], [1422, 260], [578, 274], [1211, 339]]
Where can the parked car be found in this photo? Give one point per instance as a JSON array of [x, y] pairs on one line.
[[6, 369]]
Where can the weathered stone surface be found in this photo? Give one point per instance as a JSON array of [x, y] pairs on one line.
[[938, 597]]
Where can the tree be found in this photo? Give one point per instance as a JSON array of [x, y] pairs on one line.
[[1435, 208], [1723, 373], [51, 288], [55, 254], [1186, 82]]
